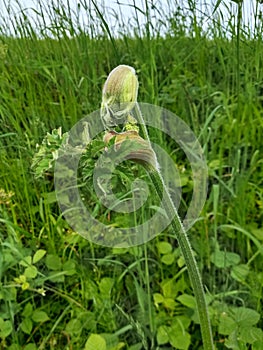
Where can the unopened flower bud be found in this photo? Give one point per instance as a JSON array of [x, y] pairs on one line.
[[138, 150], [119, 95]]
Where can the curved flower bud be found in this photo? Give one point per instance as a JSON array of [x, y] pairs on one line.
[[133, 147], [119, 95]]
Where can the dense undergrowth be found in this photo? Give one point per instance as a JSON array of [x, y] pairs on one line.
[[59, 291]]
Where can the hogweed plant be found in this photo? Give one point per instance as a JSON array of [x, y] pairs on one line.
[[118, 133], [119, 99]]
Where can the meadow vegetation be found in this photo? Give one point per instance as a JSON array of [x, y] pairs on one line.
[[60, 291]]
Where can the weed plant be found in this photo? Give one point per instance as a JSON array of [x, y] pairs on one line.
[[59, 291]]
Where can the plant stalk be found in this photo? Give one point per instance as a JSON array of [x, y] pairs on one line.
[[183, 241]]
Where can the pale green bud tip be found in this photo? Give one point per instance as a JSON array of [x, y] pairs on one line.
[[121, 85], [119, 94]]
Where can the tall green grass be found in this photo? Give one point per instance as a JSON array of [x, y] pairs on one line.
[[52, 72]]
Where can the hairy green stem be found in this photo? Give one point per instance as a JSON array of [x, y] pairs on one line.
[[183, 241], [147, 277]]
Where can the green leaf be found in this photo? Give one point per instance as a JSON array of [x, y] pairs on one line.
[[9, 294], [257, 345], [187, 300], [26, 325], [258, 233], [53, 262], [95, 342], [105, 286], [169, 303], [91, 289], [30, 346], [251, 334], [74, 326], [164, 247], [56, 276], [26, 261], [240, 272], [49, 197], [40, 316], [87, 319], [137, 346], [69, 268], [31, 272], [112, 341], [28, 310], [39, 254], [118, 346], [14, 347], [180, 340], [158, 298], [184, 180], [226, 324], [223, 259], [180, 261], [180, 322], [215, 164], [119, 251], [162, 335], [169, 289], [168, 259], [246, 317], [5, 328], [232, 342]]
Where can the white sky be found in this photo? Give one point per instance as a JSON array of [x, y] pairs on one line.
[[125, 9]]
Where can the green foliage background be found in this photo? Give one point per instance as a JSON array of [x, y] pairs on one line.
[[59, 291]]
